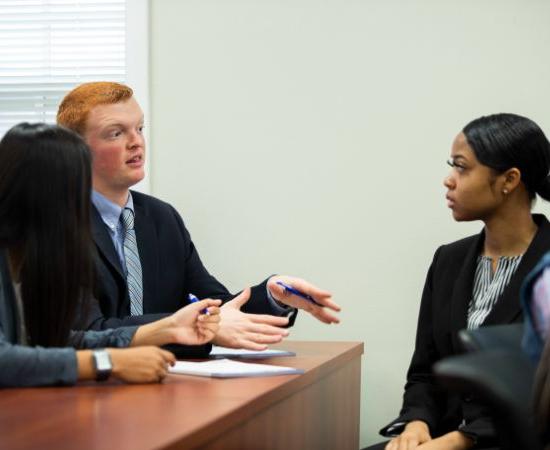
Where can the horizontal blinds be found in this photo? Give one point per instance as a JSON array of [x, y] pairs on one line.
[[47, 47]]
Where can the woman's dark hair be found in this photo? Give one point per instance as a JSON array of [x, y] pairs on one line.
[[45, 183], [504, 141]]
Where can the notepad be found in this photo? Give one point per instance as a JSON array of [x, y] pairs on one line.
[[225, 352], [227, 368]]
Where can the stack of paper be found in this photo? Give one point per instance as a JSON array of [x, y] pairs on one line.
[[225, 352], [226, 368]]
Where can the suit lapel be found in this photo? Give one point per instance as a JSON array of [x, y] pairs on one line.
[[462, 290], [104, 242], [508, 306], [146, 236]]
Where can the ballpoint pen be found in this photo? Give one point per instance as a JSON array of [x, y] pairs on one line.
[[193, 299], [297, 292]]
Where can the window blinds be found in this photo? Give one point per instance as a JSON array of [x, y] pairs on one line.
[[49, 46]]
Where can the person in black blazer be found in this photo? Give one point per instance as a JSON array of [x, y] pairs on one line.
[[499, 163], [535, 297], [111, 122], [46, 274]]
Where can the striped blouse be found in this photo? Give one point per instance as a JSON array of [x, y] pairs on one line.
[[488, 286]]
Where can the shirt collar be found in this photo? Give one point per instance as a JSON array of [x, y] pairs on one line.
[[109, 211]]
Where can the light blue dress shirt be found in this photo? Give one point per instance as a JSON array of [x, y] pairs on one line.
[[110, 213]]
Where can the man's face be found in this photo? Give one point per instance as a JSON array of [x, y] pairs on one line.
[[114, 133]]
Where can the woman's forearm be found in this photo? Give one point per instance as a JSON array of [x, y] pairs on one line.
[[154, 333], [85, 366]]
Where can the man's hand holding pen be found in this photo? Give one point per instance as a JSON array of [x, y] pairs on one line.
[[298, 293]]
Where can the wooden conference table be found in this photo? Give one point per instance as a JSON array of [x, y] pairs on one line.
[[316, 410]]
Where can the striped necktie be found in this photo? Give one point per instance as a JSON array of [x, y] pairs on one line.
[[133, 264]]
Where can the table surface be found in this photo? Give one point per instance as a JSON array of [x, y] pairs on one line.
[[182, 409]]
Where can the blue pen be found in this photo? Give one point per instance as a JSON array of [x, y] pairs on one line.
[[298, 293], [193, 299]]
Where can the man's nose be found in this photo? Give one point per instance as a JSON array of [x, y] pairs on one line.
[[136, 139]]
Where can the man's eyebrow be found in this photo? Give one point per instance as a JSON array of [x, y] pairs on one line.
[[113, 124], [108, 124], [117, 123]]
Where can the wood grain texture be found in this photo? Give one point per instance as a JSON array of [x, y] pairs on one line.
[[319, 409]]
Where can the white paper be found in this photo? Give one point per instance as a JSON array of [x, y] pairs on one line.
[[227, 368], [226, 352]]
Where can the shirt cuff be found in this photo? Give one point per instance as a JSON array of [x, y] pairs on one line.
[[278, 308], [395, 429]]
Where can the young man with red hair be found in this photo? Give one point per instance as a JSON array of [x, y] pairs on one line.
[[147, 264]]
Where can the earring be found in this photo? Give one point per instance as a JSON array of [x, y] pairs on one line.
[[505, 191]]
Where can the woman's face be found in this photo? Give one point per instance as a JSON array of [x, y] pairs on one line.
[[473, 190]]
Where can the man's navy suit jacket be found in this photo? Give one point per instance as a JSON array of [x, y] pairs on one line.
[[171, 269]]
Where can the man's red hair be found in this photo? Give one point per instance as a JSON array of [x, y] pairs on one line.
[[76, 106]]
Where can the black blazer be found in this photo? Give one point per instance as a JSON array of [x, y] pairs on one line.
[[443, 312], [171, 269]]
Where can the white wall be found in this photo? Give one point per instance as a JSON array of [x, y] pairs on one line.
[[137, 62], [310, 138]]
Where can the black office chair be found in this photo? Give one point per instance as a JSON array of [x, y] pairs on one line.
[[503, 380], [493, 337]]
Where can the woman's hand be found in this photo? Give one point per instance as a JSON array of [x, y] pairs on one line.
[[187, 326], [141, 364], [192, 327], [413, 436]]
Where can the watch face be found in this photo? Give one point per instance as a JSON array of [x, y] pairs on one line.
[[102, 364], [103, 360]]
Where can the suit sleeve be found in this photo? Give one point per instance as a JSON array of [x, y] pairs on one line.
[[197, 279], [204, 285], [422, 399]]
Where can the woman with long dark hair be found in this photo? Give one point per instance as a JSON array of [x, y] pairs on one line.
[[499, 164], [46, 273]]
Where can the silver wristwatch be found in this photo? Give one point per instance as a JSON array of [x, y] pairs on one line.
[[102, 364]]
